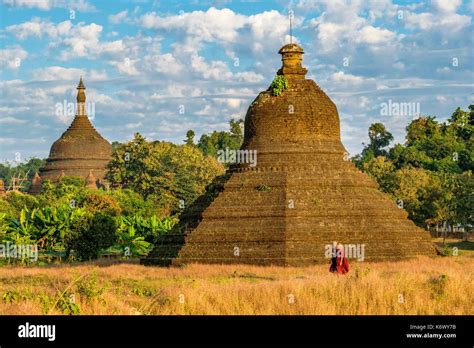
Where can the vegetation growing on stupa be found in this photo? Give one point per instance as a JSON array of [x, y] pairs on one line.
[[278, 85]]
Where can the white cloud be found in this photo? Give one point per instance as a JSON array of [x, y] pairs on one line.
[[223, 26], [205, 111], [446, 5], [40, 4], [39, 28], [12, 56], [444, 19], [211, 25], [58, 73], [341, 77], [443, 70], [118, 17], [163, 63], [233, 103], [374, 36], [45, 5], [215, 70], [79, 40], [126, 66], [249, 76], [133, 125], [10, 119], [355, 31]]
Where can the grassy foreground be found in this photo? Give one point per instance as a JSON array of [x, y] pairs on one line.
[[437, 285]]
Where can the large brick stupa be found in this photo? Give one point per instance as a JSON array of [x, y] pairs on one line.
[[302, 195], [80, 151]]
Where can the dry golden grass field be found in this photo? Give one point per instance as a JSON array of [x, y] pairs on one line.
[[438, 285]]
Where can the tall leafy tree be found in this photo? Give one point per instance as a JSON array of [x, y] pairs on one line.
[[189, 137], [170, 174], [379, 138], [209, 144], [431, 172]]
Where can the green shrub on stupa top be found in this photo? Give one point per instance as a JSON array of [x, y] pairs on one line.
[[278, 84]]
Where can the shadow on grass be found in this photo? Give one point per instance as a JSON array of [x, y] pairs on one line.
[[463, 247]]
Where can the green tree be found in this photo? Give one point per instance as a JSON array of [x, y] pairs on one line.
[[130, 164], [168, 174], [431, 171], [383, 171], [379, 138], [461, 122], [464, 199], [189, 137], [90, 235], [209, 144]]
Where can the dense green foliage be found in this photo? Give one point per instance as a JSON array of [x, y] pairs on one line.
[[170, 175], [278, 85], [91, 234], [209, 144], [431, 173], [67, 220]]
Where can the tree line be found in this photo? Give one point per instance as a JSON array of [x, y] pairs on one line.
[[151, 182]]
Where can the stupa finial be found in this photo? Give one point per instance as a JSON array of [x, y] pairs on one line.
[[81, 94], [81, 98], [291, 26], [292, 58], [81, 84]]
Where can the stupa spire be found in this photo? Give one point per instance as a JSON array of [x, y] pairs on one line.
[[291, 27], [81, 98]]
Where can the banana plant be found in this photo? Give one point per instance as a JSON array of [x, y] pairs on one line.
[[127, 237], [23, 225], [19, 231], [147, 229]]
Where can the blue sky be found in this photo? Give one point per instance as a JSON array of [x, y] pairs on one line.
[[145, 61]]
